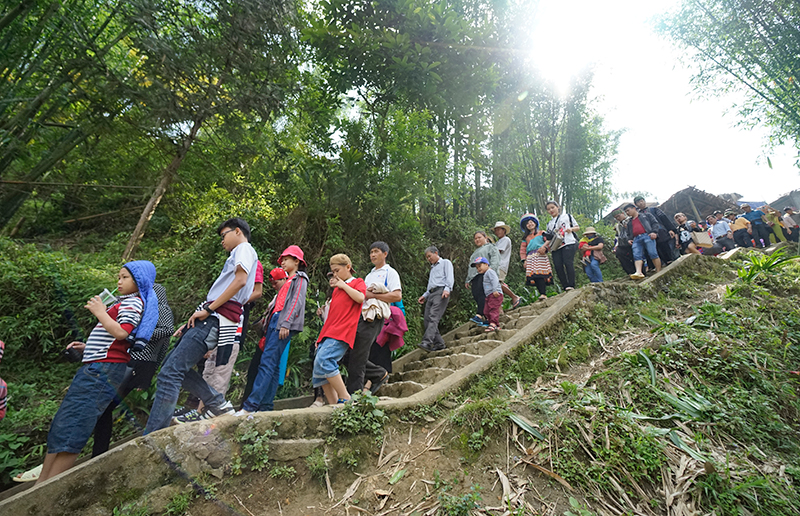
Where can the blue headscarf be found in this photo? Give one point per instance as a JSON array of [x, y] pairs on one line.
[[144, 274]]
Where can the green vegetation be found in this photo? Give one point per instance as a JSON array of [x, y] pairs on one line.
[[255, 448], [284, 472], [708, 380], [179, 504], [736, 45], [453, 505], [318, 464], [580, 509], [358, 416]]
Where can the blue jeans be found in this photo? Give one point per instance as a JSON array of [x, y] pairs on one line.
[[326, 361], [177, 371], [593, 270], [94, 386], [640, 244], [266, 383]]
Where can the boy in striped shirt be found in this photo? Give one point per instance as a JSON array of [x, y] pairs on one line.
[[105, 357]]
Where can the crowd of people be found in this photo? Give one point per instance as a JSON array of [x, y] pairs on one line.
[[646, 234], [363, 319]]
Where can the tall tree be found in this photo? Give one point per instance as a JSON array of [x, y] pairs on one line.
[[53, 82], [750, 46], [204, 64]]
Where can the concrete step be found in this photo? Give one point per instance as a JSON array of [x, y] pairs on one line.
[[400, 389], [520, 322], [473, 348], [454, 362], [504, 334], [427, 376]]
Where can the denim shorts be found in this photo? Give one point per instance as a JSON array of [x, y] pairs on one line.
[[326, 363], [640, 244], [94, 386]]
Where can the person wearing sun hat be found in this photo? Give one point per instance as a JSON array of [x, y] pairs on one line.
[[592, 247], [538, 271], [503, 245], [288, 319]]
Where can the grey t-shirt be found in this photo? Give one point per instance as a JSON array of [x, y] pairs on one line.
[[242, 255], [504, 248]]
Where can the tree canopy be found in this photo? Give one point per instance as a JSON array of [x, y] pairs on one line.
[[749, 46], [397, 113]]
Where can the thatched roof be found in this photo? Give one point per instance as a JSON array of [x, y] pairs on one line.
[[696, 204]]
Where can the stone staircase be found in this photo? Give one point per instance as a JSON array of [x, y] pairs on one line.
[[418, 370], [419, 378]]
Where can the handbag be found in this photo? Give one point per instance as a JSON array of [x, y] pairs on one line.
[[599, 256], [702, 239], [557, 241]]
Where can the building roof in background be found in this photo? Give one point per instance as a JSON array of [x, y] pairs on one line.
[[696, 204], [788, 199]]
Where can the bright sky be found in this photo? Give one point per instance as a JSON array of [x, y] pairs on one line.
[[673, 139]]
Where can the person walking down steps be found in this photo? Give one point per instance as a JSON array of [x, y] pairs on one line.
[[435, 298]]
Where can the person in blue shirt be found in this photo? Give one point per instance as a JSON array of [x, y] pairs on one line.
[[758, 225]]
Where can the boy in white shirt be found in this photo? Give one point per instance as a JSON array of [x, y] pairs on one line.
[[212, 326]]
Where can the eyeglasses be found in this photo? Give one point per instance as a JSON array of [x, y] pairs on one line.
[[222, 235]]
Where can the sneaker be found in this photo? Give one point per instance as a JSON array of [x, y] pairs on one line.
[[180, 411], [226, 409], [191, 415], [241, 412]]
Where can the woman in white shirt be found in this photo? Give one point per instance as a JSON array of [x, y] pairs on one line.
[[562, 226]]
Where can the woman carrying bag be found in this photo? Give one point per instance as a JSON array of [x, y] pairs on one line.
[[564, 244]]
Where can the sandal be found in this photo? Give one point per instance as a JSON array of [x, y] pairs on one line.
[[30, 475], [517, 303], [491, 328], [542, 297], [377, 385]]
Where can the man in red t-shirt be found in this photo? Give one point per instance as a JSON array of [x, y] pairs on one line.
[[339, 331]]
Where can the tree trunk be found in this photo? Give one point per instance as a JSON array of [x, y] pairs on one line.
[[158, 194], [21, 7]]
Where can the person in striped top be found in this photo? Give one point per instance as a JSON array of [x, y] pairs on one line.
[[105, 358]]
